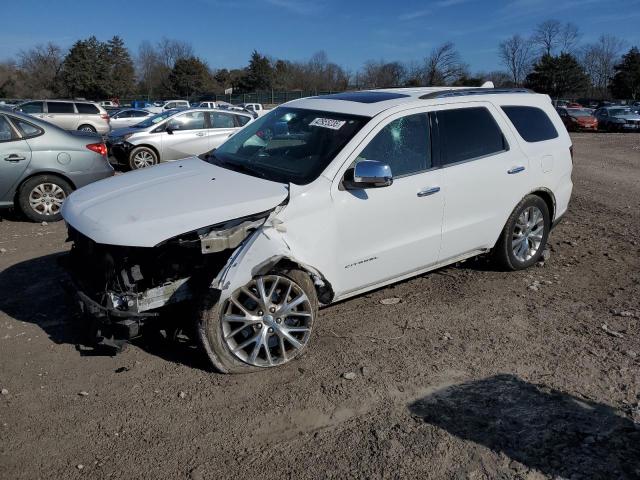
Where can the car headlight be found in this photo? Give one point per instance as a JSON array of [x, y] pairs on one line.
[[126, 135]]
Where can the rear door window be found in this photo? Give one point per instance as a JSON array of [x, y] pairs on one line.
[[60, 107], [468, 133], [532, 123], [6, 132], [27, 129], [87, 108]]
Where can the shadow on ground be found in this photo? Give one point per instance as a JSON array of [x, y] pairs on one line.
[[544, 429], [32, 292]]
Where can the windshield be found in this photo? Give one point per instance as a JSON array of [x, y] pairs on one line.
[[579, 113], [288, 144], [149, 121], [615, 112]]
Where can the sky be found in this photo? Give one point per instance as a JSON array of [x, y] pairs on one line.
[[225, 32]]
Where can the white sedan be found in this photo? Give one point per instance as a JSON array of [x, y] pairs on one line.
[[128, 117]]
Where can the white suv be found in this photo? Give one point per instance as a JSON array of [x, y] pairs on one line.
[[319, 200]]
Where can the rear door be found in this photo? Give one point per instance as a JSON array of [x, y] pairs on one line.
[[62, 114], [187, 137], [222, 126], [484, 176], [33, 108], [15, 155]]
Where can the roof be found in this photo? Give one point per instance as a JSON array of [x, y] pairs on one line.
[[372, 102]]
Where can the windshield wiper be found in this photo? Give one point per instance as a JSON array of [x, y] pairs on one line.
[[237, 167]]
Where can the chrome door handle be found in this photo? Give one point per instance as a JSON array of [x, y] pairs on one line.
[[516, 170], [14, 158], [200, 134], [428, 191]]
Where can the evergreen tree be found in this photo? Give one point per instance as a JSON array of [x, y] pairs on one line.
[[626, 81], [259, 74], [189, 76], [121, 70], [85, 70], [557, 76]]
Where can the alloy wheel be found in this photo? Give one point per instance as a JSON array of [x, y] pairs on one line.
[[47, 198], [143, 159], [528, 233], [268, 321]]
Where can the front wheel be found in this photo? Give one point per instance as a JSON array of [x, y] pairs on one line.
[[266, 323], [525, 234], [142, 157]]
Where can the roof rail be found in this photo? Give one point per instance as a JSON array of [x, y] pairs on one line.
[[460, 92]]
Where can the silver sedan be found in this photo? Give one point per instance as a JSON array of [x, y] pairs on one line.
[[41, 164]]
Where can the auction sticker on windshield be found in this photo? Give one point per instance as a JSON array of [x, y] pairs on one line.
[[327, 123]]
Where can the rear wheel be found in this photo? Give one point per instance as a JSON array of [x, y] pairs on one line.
[[87, 128], [266, 323], [525, 234], [142, 157], [41, 197]]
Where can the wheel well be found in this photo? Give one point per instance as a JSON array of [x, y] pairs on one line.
[[549, 199], [37, 174], [150, 147], [323, 287]]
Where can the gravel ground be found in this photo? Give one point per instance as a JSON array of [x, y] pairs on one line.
[[474, 374]]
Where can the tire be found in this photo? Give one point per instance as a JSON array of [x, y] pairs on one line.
[[524, 236], [142, 157], [40, 198], [224, 328], [87, 128]]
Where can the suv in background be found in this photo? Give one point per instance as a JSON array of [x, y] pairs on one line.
[[319, 200], [170, 105], [69, 114]]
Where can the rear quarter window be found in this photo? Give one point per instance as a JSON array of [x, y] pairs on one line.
[[532, 123], [87, 108]]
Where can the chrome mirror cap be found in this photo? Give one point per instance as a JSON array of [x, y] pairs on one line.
[[371, 173]]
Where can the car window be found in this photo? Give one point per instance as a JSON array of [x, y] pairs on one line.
[[467, 133], [187, 121], [170, 105], [32, 107], [221, 120], [27, 129], [242, 120], [138, 113], [60, 107], [404, 145], [6, 132], [87, 108], [532, 123]]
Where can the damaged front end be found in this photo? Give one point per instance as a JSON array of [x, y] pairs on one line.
[[123, 290]]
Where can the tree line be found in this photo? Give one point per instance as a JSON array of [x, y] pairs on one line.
[[550, 60]]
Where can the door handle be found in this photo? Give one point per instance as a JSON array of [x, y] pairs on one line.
[[428, 191], [516, 170], [14, 158], [200, 134]]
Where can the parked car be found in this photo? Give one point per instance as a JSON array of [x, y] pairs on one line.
[[169, 105], [574, 105], [576, 119], [128, 117], [617, 119], [109, 104], [204, 105], [182, 134], [42, 164], [69, 114], [357, 191], [257, 108]]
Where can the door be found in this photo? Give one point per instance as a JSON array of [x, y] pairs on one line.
[[62, 114], [484, 176], [388, 232], [222, 127], [15, 155], [33, 108], [122, 119], [185, 135]]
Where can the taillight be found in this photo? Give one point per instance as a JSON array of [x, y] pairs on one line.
[[99, 148], [105, 116], [571, 152]]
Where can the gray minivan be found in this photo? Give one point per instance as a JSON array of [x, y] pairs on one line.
[[69, 114]]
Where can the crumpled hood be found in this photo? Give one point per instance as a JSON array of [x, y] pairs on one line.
[[145, 207]]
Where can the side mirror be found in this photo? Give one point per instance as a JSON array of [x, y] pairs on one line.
[[368, 174], [169, 129]]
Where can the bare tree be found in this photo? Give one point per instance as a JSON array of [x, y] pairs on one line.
[[169, 51], [598, 60], [379, 74], [40, 67], [547, 36], [515, 54], [569, 36], [443, 65]]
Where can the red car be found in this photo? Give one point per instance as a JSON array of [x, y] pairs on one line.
[[576, 119]]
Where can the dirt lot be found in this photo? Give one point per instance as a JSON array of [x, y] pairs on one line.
[[475, 374]]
